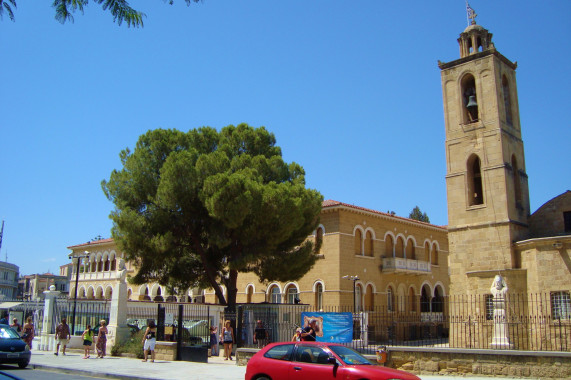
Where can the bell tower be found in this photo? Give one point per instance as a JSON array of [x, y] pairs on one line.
[[486, 181]]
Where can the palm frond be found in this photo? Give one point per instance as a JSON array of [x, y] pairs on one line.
[[122, 11]]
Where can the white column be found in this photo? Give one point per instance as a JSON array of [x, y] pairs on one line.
[[46, 340], [118, 330]]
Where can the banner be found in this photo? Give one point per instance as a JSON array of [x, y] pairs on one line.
[[331, 327]]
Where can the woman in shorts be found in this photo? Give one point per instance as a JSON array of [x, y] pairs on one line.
[[87, 337], [149, 341]]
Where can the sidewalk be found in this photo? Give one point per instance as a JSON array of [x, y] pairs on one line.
[[127, 368]]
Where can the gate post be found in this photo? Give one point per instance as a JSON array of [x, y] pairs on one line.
[[117, 326], [46, 343], [161, 323], [179, 332], [239, 327]]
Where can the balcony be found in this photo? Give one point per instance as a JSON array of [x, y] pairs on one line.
[[110, 275], [405, 266]]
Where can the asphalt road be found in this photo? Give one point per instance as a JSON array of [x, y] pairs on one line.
[[38, 374]]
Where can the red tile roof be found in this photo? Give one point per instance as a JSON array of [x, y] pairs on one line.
[[331, 203], [91, 243]]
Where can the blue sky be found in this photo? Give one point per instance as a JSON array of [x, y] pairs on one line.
[[351, 89]]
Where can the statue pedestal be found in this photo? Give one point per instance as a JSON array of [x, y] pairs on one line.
[[46, 338], [500, 340], [118, 331]]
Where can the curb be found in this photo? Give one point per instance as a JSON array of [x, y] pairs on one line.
[[96, 374]]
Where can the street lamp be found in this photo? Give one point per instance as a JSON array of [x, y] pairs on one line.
[[79, 258], [354, 279]]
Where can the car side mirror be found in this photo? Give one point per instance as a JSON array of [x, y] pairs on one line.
[[332, 361]]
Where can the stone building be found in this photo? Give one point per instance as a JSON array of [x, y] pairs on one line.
[[8, 280], [490, 229], [389, 262], [32, 286]]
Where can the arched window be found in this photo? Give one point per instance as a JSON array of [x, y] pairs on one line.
[[82, 293], [470, 100], [159, 296], [517, 182], [358, 241], [411, 300], [319, 296], [369, 298], [437, 301], [389, 246], [292, 294], [369, 244], [318, 240], [427, 252], [358, 298], [507, 99], [425, 299], [434, 256], [390, 299], [114, 264], [146, 295], [129, 293], [275, 295], [249, 294], [100, 264], [410, 253], [94, 265], [107, 264], [108, 293], [475, 188], [399, 249]]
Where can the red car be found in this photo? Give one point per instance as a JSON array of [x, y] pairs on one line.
[[316, 361]]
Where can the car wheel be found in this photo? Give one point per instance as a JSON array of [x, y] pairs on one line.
[[263, 377], [23, 364]]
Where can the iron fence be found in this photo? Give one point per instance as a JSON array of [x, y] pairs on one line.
[[530, 322]]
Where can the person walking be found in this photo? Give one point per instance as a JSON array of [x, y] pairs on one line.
[[260, 335], [16, 326], [101, 345], [227, 338], [87, 337], [149, 341], [308, 334], [28, 332], [62, 336], [213, 341]]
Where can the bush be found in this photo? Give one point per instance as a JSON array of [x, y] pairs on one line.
[[132, 345]]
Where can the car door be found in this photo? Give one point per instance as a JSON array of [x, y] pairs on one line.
[[311, 362]]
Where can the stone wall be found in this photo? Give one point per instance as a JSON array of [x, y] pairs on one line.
[[165, 351], [462, 362], [421, 360]]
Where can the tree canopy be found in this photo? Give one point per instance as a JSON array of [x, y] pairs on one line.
[[193, 209], [119, 9], [416, 214]]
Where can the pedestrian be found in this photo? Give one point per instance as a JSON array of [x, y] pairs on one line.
[[308, 333], [16, 326], [4, 320], [260, 335], [149, 341], [213, 341], [62, 336], [101, 345], [28, 332], [87, 337], [227, 337], [297, 335]]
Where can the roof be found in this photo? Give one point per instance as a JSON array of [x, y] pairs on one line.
[[331, 203], [89, 243]]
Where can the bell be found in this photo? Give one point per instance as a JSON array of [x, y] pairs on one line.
[[472, 102]]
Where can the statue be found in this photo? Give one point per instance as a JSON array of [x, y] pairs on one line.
[[500, 338], [121, 271]]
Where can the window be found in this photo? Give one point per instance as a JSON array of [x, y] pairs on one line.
[[281, 352], [389, 247], [567, 220], [560, 305], [358, 240], [291, 294], [434, 256], [475, 189], [369, 298], [470, 101], [318, 240], [369, 244], [275, 295], [410, 253], [311, 354], [517, 183], [425, 300], [249, 294], [399, 249], [507, 101], [489, 300], [438, 300], [390, 299], [319, 296], [412, 300]]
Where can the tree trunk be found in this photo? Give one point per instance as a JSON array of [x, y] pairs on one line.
[[232, 289]]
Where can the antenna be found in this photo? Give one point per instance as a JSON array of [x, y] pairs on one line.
[[2, 233]]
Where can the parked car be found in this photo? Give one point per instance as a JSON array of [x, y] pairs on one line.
[[13, 349], [316, 360]]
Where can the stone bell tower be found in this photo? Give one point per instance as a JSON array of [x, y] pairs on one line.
[[486, 181]]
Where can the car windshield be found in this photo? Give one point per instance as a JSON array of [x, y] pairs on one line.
[[8, 333], [350, 356]]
